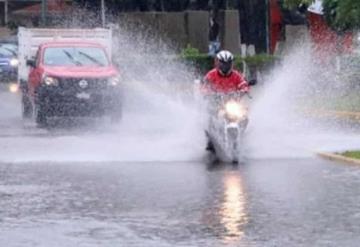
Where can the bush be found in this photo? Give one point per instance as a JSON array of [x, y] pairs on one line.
[[260, 60], [204, 62]]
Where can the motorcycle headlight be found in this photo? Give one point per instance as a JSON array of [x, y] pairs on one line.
[[235, 110], [114, 81], [14, 62], [51, 81]]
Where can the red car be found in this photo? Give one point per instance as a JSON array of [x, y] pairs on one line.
[[71, 79]]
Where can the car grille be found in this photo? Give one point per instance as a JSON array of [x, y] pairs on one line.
[[81, 84]]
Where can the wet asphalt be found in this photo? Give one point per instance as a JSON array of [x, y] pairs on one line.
[[308, 202], [91, 201]]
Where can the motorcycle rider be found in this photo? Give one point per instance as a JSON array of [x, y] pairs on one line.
[[223, 79]]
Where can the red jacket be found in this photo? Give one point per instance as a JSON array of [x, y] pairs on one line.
[[215, 82]]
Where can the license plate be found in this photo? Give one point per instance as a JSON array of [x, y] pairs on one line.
[[83, 95]]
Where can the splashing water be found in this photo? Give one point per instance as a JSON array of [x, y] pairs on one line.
[[279, 127], [160, 120]]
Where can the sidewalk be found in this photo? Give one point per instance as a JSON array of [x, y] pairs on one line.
[[337, 114], [339, 158]]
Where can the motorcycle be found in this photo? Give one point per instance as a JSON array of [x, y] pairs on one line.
[[227, 122]]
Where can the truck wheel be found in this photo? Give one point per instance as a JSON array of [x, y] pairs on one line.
[[27, 109], [40, 117]]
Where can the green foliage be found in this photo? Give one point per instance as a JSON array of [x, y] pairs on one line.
[[260, 59], [192, 56], [352, 154], [190, 51], [341, 15], [204, 62]]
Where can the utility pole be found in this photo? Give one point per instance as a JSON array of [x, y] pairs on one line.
[[268, 26], [6, 10], [103, 13], [43, 12]]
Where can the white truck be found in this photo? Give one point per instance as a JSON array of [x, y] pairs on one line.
[[67, 73]]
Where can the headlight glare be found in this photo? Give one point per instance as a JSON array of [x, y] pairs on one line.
[[235, 110], [13, 87], [51, 81], [14, 62], [114, 81]]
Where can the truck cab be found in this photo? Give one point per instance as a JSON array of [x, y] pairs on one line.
[[70, 78]]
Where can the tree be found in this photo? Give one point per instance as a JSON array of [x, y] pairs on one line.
[[340, 15]]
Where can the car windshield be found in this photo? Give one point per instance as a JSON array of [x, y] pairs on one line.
[[75, 56], [8, 50]]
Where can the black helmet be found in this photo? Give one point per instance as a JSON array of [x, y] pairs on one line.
[[224, 62]]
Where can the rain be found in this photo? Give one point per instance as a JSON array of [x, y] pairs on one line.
[[114, 134]]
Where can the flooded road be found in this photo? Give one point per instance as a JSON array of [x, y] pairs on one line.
[[307, 202], [149, 184]]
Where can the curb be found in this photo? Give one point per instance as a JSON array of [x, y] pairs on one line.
[[338, 157]]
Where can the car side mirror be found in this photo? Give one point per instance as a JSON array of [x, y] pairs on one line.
[[252, 82], [30, 62]]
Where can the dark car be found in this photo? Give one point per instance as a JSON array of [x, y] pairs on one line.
[[8, 61]]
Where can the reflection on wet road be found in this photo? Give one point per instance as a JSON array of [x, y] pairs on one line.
[[146, 184], [260, 203], [233, 215]]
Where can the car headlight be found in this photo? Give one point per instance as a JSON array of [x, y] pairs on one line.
[[235, 110], [51, 81], [114, 81], [14, 62], [13, 87], [356, 41]]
